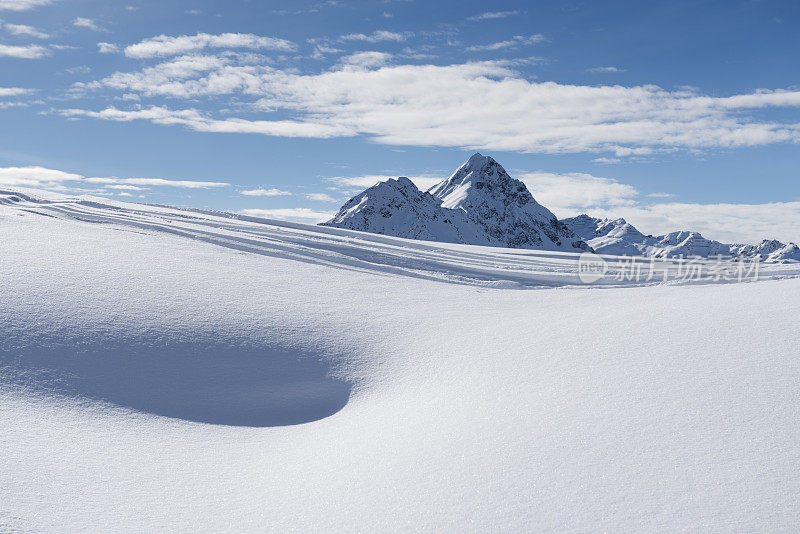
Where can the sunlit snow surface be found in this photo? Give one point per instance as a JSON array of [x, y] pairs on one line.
[[171, 369]]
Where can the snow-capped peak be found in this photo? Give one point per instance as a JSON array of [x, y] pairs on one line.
[[503, 206], [478, 204], [481, 177]]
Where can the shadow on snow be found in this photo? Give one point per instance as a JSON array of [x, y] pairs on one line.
[[223, 385]]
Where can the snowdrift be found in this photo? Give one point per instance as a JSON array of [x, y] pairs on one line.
[[175, 369]]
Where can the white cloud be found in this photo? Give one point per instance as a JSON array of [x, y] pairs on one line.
[[186, 184], [367, 59], [22, 5], [81, 69], [41, 177], [124, 187], [363, 181], [22, 29], [320, 197], [24, 52], [13, 91], [374, 37], [605, 69], [34, 176], [476, 105], [576, 192], [350, 183], [164, 45], [172, 72], [759, 99], [303, 215], [91, 24], [107, 48], [260, 192], [606, 161], [195, 120], [515, 42], [489, 15]]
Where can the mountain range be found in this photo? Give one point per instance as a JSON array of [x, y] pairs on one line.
[[480, 204], [619, 237]]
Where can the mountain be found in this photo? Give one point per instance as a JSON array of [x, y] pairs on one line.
[[608, 236], [770, 250], [618, 237], [398, 208], [479, 204]]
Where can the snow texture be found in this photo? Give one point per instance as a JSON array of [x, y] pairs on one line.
[[165, 369]]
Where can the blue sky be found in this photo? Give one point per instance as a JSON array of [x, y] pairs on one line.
[[675, 115]]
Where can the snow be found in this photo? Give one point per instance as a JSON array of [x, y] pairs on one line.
[[165, 369]]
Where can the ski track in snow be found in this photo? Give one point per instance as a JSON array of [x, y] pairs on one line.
[[487, 266], [165, 369]]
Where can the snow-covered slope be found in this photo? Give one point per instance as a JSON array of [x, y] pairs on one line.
[[479, 204], [770, 250], [179, 370], [618, 237]]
